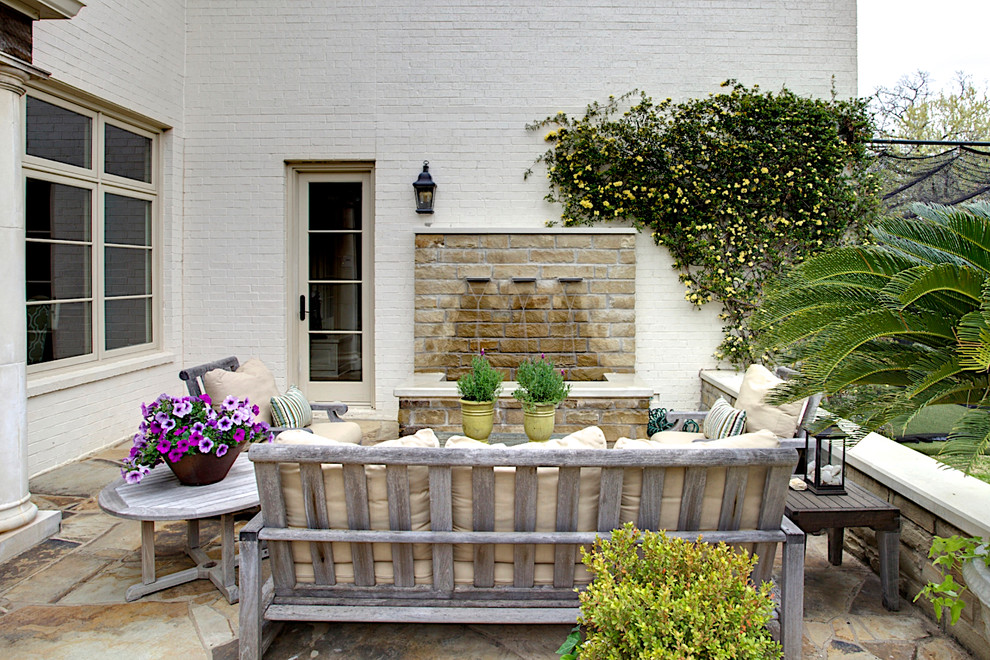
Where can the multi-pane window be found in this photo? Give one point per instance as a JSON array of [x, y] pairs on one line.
[[90, 206]]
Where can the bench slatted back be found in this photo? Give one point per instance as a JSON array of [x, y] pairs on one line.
[[737, 466]]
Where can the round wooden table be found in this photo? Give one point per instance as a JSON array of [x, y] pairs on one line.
[[160, 496]]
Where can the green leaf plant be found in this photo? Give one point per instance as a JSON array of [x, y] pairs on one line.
[[664, 598], [887, 328], [737, 186]]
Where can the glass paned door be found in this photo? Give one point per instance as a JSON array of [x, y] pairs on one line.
[[334, 288]]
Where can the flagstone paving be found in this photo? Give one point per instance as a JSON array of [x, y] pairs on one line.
[[65, 599]]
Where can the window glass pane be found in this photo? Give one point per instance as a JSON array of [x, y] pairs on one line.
[[57, 211], [56, 271], [58, 134], [58, 331], [335, 357], [128, 322], [335, 307], [334, 205], [127, 154], [127, 271], [334, 256], [127, 221]]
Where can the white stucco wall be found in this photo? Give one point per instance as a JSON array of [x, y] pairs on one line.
[[129, 53], [249, 85]]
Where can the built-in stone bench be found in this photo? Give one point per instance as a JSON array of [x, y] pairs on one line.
[[618, 405]]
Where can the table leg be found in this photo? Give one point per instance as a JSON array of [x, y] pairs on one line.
[[889, 545], [227, 551], [147, 551], [192, 533], [835, 538]]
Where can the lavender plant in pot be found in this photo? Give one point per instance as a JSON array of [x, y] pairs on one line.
[[541, 389], [479, 389]]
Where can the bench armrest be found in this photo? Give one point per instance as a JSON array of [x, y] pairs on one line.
[[333, 410], [249, 532]]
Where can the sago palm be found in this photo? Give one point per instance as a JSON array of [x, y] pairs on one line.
[[888, 328]]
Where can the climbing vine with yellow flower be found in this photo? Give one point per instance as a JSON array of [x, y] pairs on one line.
[[737, 186]]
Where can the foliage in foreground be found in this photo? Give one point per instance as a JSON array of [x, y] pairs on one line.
[[895, 326], [736, 186], [670, 598], [948, 554]]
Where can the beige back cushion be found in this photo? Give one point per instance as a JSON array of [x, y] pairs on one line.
[[252, 380], [333, 482], [673, 483], [676, 437], [756, 384], [505, 495], [349, 432]]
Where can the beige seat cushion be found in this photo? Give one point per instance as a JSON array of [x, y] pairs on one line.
[[252, 381], [333, 480], [349, 432], [756, 384], [676, 437], [673, 484], [546, 512]]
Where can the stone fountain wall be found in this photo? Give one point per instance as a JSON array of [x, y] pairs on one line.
[[566, 294]]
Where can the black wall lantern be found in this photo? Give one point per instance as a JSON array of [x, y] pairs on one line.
[[425, 190]]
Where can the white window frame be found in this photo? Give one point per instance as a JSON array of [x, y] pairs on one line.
[[101, 183]]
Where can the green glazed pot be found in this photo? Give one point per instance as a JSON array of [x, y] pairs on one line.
[[538, 421], [477, 418]]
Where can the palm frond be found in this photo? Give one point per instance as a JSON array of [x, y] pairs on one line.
[[968, 440], [913, 284]]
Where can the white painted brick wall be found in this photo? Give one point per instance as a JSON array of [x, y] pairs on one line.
[[397, 82], [129, 53], [456, 87]]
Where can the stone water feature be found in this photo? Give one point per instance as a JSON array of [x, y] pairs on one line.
[[566, 294]]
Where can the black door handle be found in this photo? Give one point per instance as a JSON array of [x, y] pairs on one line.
[[302, 308]]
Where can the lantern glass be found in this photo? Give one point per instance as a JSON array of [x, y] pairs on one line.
[[825, 473]]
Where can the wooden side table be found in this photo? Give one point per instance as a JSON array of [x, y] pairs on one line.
[[160, 496], [857, 508]]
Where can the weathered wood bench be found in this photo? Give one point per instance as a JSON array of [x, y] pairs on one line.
[[421, 575]]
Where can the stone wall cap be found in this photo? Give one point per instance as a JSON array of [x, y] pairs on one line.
[[432, 385], [567, 231]]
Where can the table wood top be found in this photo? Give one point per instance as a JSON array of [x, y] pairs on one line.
[[857, 508], [160, 496]]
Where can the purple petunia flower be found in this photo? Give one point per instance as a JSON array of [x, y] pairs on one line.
[[205, 398], [168, 424], [239, 435], [198, 427], [224, 423], [183, 445], [230, 403], [175, 456], [205, 445], [134, 452], [182, 408], [160, 417], [195, 437], [258, 427], [221, 450], [133, 477], [164, 446], [271, 437], [211, 414], [154, 429], [237, 416], [256, 410]]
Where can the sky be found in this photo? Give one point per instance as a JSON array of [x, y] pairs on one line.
[[898, 37]]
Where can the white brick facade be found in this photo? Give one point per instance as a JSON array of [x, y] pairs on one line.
[[249, 85]]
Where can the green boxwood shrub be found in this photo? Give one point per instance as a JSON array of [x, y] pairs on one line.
[[669, 598]]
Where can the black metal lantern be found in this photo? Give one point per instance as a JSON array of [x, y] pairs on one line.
[[825, 452], [425, 190]]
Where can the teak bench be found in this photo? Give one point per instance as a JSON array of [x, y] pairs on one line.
[[308, 580]]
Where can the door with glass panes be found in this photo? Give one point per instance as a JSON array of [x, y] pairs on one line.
[[334, 286]]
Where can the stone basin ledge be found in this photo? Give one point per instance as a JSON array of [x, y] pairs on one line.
[[618, 405]]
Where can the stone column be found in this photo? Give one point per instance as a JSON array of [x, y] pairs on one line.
[[21, 526]]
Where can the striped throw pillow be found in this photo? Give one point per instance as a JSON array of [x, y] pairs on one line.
[[722, 421], [291, 409]]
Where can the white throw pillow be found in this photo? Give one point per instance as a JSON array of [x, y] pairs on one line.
[[782, 420]]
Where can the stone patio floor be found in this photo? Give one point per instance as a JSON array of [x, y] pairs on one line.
[[65, 599]]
